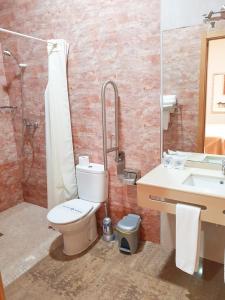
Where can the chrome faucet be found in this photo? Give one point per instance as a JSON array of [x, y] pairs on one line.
[[223, 167]]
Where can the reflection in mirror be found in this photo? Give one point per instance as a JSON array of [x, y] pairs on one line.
[[218, 93], [214, 141], [193, 44]]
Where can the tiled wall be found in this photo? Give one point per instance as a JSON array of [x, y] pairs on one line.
[[116, 40], [10, 175]]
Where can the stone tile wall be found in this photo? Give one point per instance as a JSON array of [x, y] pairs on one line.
[[10, 175], [118, 40]]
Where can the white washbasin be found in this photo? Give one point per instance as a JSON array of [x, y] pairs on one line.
[[206, 183]]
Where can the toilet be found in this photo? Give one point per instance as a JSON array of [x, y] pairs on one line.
[[76, 218]]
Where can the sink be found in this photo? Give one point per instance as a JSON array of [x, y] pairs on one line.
[[206, 183]]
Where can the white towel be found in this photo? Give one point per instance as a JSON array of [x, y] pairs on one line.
[[187, 237]]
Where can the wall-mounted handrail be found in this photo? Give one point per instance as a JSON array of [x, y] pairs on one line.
[[106, 150]]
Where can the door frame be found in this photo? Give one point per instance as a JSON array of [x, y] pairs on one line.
[[2, 293], [206, 37]]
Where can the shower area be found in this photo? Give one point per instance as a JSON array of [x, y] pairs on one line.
[[20, 125], [24, 234]]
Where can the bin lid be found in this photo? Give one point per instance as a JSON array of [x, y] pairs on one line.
[[129, 222]]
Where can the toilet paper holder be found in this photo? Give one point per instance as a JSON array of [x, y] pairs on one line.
[[130, 176]]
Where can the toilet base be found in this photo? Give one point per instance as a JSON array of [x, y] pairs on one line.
[[78, 240]]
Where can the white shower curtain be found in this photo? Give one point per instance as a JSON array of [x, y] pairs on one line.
[[61, 180]]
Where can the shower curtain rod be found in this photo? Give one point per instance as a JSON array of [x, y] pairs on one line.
[[25, 35]]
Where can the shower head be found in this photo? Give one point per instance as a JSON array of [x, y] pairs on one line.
[[7, 52]]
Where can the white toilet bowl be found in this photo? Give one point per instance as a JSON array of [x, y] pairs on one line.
[[76, 220]]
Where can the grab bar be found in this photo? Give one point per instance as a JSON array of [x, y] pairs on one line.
[[104, 127]]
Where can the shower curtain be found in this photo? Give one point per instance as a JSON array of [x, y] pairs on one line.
[[61, 180]]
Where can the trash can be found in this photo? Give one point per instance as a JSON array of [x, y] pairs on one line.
[[128, 233]]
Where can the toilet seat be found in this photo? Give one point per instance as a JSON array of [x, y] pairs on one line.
[[69, 211]]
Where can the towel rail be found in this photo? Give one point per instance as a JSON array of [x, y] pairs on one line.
[[174, 202]]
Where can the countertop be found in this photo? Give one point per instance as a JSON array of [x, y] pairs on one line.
[[173, 179]]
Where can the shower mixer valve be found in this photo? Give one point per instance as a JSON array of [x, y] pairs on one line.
[[30, 124]]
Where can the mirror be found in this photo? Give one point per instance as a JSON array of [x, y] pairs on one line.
[[193, 66]]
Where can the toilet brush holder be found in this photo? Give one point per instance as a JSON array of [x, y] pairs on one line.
[[108, 234]]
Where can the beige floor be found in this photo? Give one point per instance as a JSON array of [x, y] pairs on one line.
[[103, 273], [25, 240]]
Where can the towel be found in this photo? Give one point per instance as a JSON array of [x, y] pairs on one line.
[[188, 228]]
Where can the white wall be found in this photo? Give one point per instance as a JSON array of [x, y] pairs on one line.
[[183, 13]]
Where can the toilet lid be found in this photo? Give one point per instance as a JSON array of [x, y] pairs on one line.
[[69, 211]]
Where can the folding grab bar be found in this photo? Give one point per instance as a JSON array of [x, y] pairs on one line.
[[104, 127]]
